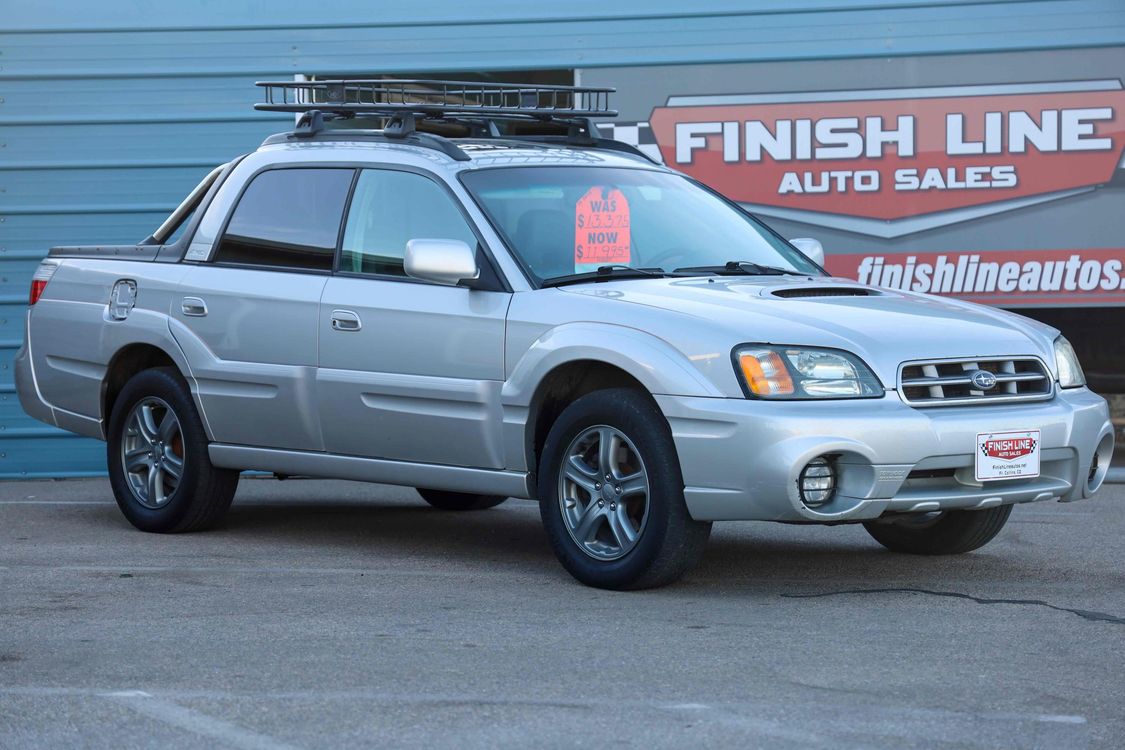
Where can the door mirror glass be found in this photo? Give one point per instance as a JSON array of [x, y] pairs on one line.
[[446, 262], [811, 248]]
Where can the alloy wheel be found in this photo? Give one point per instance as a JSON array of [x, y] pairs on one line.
[[603, 492], [152, 452]]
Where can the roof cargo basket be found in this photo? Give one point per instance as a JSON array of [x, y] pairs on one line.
[[402, 103], [392, 96]]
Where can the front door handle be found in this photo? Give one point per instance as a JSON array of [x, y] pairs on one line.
[[194, 307], [345, 320]]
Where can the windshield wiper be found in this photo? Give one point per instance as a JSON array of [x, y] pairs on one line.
[[741, 268], [604, 273]]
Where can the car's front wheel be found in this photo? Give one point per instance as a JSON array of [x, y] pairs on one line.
[[950, 532], [612, 496], [159, 469]]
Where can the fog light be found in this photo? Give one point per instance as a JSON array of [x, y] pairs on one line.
[[817, 482]]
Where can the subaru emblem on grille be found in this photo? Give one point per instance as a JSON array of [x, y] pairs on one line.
[[983, 380]]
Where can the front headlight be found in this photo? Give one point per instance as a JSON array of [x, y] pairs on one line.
[[789, 372], [1066, 362]]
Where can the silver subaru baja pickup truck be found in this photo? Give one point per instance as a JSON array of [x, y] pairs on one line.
[[483, 299]]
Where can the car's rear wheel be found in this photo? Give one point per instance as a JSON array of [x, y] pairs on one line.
[[950, 532], [612, 497], [159, 469], [444, 500]]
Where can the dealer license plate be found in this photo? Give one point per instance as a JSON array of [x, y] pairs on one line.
[[1007, 455]]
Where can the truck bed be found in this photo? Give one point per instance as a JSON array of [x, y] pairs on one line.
[[106, 252]]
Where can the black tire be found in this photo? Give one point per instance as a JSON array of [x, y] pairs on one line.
[[203, 493], [444, 500], [953, 533], [670, 542]]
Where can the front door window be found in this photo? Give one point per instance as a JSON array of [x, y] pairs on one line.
[[388, 209]]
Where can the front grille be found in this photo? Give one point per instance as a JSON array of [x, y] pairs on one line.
[[949, 382]]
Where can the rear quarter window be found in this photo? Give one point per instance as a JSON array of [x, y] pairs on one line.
[[287, 218]]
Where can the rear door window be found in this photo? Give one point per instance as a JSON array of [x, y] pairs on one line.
[[288, 218]]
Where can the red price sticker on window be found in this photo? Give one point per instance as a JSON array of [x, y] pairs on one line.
[[601, 227]]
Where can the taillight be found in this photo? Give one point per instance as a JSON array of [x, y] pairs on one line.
[[37, 287], [39, 281]]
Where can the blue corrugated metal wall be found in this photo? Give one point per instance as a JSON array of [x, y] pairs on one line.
[[111, 111]]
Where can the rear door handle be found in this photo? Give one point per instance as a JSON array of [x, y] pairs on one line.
[[345, 320], [194, 307]]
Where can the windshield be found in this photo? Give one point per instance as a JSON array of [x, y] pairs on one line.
[[561, 221]]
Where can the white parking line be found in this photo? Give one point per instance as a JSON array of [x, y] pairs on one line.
[[389, 570], [56, 502], [1061, 719], [194, 721]]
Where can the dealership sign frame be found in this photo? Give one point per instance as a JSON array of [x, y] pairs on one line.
[[893, 162]]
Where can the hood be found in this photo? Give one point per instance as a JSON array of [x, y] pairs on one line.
[[883, 327]]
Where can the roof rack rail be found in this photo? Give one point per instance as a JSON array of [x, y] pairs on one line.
[[390, 96], [312, 122]]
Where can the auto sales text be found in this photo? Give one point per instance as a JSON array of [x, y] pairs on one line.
[[853, 138]]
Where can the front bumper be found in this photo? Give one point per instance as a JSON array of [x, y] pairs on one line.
[[741, 458]]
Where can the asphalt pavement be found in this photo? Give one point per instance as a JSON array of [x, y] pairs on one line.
[[335, 614]]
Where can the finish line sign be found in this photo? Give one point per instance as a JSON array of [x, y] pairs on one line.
[[891, 154]]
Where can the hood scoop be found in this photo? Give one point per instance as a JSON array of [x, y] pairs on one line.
[[824, 291]]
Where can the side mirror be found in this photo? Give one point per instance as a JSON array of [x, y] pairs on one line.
[[810, 247], [446, 262]]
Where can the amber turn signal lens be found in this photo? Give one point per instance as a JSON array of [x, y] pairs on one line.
[[765, 373]]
